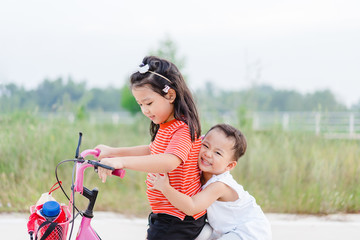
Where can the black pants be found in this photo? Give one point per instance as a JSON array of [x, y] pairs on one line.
[[164, 226]]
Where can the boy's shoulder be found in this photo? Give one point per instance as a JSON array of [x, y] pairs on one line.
[[225, 178]]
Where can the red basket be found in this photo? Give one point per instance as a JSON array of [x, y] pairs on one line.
[[60, 231]]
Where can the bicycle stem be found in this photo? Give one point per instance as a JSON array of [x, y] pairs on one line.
[[91, 195]]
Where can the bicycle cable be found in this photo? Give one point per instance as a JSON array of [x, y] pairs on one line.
[[73, 201], [73, 192], [57, 179]]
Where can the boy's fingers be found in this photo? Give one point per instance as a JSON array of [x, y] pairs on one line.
[[154, 176]]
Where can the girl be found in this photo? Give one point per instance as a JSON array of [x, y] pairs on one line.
[[163, 96], [232, 212]]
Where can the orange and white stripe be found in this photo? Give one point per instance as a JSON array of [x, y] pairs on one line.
[[174, 138]]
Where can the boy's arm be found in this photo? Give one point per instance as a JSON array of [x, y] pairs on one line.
[[188, 205]]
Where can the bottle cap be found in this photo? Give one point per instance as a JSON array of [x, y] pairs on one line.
[[50, 209]]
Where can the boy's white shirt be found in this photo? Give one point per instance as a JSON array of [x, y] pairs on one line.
[[243, 216]]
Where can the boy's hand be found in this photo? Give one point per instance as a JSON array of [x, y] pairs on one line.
[[159, 181]]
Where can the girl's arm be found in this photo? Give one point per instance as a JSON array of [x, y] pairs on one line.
[[107, 151], [188, 205], [157, 163]]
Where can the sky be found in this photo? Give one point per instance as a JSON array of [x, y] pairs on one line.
[[302, 45]]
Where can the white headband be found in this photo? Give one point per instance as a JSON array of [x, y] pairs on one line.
[[145, 69]]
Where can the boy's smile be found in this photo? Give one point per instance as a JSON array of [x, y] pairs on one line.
[[216, 153]]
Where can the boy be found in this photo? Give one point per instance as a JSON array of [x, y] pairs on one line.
[[232, 212]]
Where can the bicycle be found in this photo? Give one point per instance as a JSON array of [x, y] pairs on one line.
[[85, 231]]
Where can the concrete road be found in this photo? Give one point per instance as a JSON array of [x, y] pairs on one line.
[[112, 226]]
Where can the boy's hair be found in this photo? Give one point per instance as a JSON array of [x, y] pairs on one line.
[[184, 105], [240, 143]]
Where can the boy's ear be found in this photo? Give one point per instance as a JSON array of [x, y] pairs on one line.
[[231, 165], [171, 95]]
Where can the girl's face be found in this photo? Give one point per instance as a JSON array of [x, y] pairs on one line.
[[216, 154], [154, 106]]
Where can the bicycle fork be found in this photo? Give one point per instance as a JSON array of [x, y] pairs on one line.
[[86, 232]]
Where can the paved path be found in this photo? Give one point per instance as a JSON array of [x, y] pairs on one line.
[[112, 226]]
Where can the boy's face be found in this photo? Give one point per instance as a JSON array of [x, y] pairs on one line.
[[216, 153]]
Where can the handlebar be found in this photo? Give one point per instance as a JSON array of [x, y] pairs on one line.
[[95, 152], [82, 164]]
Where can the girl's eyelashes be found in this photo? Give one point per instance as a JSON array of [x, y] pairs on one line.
[[218, 153], [148, 104]]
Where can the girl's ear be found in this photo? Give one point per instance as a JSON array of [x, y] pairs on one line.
[[231, 165], [171, 95]]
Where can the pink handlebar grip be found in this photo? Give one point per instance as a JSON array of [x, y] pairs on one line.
[[94, 152], [119, 172]]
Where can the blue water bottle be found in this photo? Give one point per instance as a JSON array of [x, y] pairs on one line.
[[50, 210]]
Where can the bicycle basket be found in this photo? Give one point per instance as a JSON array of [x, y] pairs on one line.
[[60, 230]]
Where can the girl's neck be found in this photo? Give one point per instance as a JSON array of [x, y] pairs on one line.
[[166, 124]]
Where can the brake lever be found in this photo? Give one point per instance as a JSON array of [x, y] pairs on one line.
[[116, 172], [97, 164]]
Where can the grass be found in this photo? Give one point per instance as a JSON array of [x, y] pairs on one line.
[[301, 173], [285, 172]]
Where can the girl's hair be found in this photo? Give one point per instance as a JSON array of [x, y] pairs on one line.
[[184, 105], [240, 143]]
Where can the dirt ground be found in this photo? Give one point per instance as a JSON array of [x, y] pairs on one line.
[[111, 226]]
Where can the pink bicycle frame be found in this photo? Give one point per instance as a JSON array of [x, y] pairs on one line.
[[86, 232]]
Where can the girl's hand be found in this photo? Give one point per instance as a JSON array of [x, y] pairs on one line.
[[116, 163], [105, 151], [102, 172], [159, 181]]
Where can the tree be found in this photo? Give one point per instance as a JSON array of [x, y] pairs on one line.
[[356, 106], [128, 102], [105, 99], [323, 100], [50, 94], [13, 98]]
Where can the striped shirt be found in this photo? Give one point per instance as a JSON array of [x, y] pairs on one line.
[[174, 138]]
